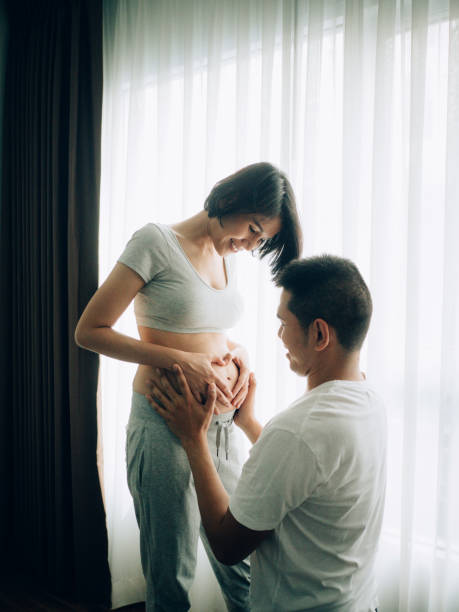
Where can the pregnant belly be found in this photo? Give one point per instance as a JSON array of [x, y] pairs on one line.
[[228, 373], [212, 344]]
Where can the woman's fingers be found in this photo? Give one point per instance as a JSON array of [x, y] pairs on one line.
[[222, 361], [224, 394], [242, 381], [243, 378], [239, 398], [223, 387], [246, 395]]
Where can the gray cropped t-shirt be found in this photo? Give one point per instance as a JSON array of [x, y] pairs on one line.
[[175, 298]]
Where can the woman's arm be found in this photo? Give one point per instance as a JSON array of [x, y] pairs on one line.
[[94, 332]]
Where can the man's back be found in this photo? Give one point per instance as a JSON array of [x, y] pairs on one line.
[[317, 477]]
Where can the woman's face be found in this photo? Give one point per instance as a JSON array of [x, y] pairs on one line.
[[244, 232]]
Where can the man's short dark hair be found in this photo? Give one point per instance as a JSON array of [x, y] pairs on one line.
[[329, 288]]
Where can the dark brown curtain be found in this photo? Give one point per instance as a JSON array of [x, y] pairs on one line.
[[52, 521]]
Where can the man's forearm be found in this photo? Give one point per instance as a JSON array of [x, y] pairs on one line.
[[252, 429], [213, 500], [230, 541]]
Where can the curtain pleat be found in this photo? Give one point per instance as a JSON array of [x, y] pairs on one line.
[[384, 193], [448, 422], [188, 98], [313, 79], [243, 23], [213, 75], [49, 248], [268, 37], [413, 244], [353, 128], [288, 23]]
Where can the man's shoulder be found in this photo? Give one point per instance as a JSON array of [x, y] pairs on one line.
[[293, 419], [332, 405]]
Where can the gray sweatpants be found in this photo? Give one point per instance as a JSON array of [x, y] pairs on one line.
[[161, 484]]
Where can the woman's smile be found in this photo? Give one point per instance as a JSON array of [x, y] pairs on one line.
[[234, 247], [246, 232]]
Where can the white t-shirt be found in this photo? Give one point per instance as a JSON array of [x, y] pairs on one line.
[[316, 477]]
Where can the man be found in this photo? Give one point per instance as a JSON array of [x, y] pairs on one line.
[[310, 499]]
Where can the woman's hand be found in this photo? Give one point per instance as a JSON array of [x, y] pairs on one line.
[[197, 367], [241, 358], [187, 418]]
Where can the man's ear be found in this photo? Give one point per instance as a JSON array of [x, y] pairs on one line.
[[321, 334]]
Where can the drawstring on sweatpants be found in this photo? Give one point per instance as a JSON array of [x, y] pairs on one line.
[[223, 426]]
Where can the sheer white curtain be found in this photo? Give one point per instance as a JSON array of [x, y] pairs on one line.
[[358, 102]]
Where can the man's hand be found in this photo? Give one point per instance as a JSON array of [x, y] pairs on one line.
[[187, 418], [245, 416]]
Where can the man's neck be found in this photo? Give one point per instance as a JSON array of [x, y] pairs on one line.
[[340, 368]]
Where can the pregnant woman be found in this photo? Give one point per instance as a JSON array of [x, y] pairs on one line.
[[182, 281]]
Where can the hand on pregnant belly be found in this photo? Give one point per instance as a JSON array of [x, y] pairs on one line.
[[200, 370], [230, 373], [240, 358], [187, 418], [234, 369]]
